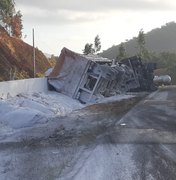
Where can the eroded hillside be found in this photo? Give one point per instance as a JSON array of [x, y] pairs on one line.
[[16, 58]]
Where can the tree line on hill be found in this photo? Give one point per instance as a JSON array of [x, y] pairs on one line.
[[157, 46], [164, 60]]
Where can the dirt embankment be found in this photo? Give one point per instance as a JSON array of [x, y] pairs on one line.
[[16, 58]]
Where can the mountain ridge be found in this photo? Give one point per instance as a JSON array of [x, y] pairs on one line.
[[158, 40]]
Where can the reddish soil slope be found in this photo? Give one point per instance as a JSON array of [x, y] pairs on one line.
[[17, 56]]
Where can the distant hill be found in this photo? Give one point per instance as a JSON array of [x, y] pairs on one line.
[[158, 40], [16, 58]]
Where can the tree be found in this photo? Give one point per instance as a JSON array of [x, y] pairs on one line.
[[9, 19], [97, 44], [122, 51], [168, 61], [17, 25], [141, 42], [7, 10], [88, 49]]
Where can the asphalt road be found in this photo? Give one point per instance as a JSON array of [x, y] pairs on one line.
[[118, 141]]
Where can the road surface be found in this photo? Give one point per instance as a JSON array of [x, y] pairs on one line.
[[100, 142]]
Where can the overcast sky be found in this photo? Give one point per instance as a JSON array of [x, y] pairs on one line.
[[73, 23]]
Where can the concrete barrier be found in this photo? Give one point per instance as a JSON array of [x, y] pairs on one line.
[[12, 88]]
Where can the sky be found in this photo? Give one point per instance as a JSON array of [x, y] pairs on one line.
[[73, 23]]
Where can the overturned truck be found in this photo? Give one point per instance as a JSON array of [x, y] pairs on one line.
[[82, 77]]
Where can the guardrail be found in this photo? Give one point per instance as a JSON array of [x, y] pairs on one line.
[[12, 88]]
